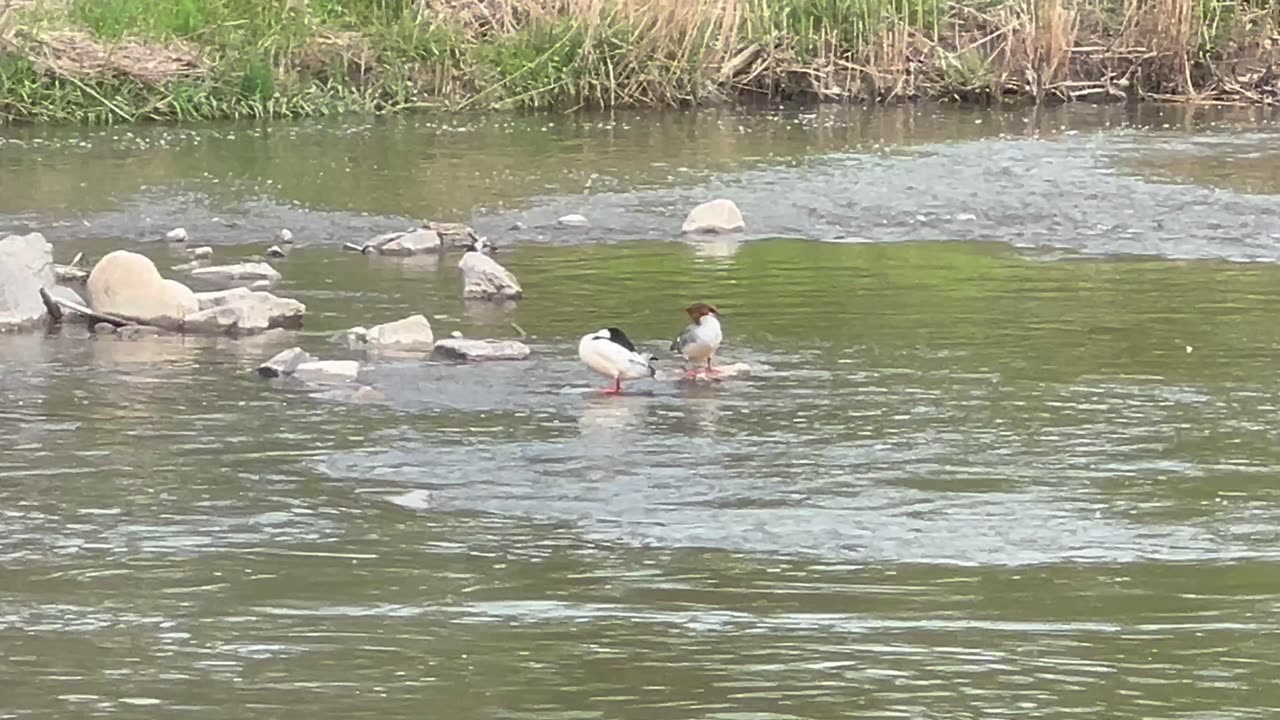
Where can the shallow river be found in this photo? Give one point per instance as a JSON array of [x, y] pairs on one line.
[[1010, 448]]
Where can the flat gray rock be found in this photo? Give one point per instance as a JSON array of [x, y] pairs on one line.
[[479, 350], [284, 363]]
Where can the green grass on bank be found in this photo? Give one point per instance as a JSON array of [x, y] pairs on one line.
[[289, 58]]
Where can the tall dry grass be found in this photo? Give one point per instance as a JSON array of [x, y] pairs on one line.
[[272, 57]]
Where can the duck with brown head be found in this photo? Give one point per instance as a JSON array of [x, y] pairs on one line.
[[700, 340]]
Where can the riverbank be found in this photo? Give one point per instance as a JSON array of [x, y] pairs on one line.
[[110, 61]]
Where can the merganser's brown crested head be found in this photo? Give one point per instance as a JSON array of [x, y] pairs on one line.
[[698, 310]]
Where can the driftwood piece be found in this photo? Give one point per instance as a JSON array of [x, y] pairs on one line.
[[67, 305], [70, 273], [51, 306]]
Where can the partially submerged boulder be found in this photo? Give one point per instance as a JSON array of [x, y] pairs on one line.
[[453, 234], [574, 220], [26, 267], [177, 235], [716, 216], [285, 363], [476, 350], [253, 275], [484, 279], [127, 285], [411, 333], [243, 311], [403, 244]]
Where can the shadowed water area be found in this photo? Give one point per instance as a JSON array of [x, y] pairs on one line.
[[1009, 449]]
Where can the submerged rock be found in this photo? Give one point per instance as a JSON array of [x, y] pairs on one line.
[[140, 332], [244, 311], [275, 252], [177, 235], [127, 285], [327, 371], [717, 216], [465, 349], [574, 220], [26, 267], [285, 236], [204, 252], [254, 275], [723, 372], [284, 363]]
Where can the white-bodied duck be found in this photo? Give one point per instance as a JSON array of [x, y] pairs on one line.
[[611, 353], [483, 278], [699, 342]]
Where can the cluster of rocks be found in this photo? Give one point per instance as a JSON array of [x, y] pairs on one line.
[[125, 289], [412, 334]]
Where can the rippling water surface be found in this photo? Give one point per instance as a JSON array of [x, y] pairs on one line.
[[1009, 449]]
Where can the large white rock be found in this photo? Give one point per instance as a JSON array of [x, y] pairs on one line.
[[410, 333], [127, 285], [244, 312], [717, 216], [255, 275], [484, 279], [26, 266], [574, 220], [467, 349]]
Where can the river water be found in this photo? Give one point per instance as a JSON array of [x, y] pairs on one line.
[[1010, 448]]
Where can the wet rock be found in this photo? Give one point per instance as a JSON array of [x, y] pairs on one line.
[[26, 266], [177, 235], [327, 371], [717, 216], [484, 279], [204, 252], [464, 349], [254, 275], [574, 220], [243, 311], [285, 236], [275, 252], [284, 363], [104, 328], [402, 244], [354, 339], [723, 372], [453, 234], [127, 285]]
